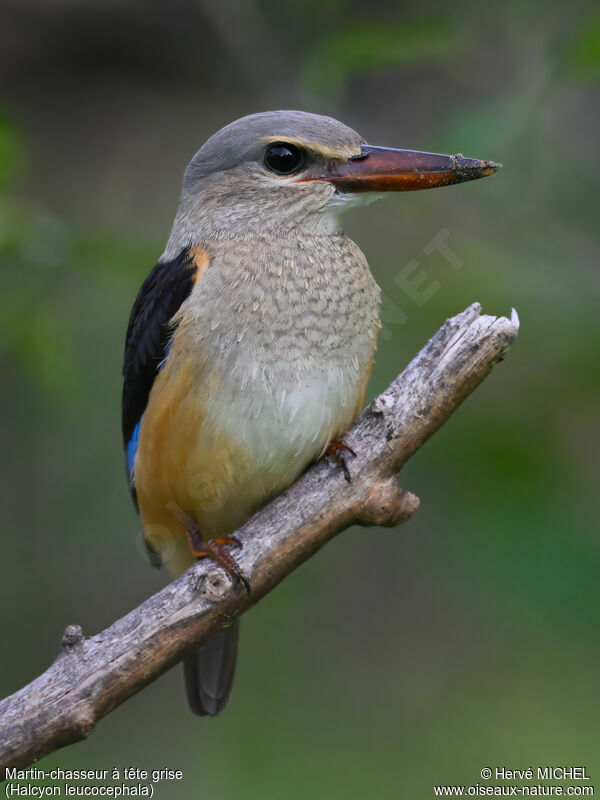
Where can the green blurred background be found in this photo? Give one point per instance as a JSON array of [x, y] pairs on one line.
[[394, 660]]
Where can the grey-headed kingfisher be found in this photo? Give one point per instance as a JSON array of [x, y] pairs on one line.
[[250, 343]]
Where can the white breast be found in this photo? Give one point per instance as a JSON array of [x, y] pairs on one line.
[[285, 426]]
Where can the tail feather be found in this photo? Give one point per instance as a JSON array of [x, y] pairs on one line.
[[209, 672]]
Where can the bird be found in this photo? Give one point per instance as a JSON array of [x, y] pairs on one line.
[[250, 343]]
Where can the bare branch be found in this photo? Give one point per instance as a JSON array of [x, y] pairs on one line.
[[92, 676]]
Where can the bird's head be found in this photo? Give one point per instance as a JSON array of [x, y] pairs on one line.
[[281, 167]]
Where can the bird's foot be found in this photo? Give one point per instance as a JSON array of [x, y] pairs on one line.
[[217, 549], [335, 452], [213, 548]]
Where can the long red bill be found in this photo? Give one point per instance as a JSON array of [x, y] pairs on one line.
[[385, 169]]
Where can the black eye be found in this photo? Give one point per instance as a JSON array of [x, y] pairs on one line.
[[284, 158]]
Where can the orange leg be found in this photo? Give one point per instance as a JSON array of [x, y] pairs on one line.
[[335, 452], [212, 548], [217, 550]]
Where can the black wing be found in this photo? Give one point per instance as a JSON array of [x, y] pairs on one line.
[[148, 335]]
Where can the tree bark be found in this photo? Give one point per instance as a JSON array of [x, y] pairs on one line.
[[91, 676]]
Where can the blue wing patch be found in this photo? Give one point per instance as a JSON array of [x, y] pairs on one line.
[[132, 444], [132, 450]]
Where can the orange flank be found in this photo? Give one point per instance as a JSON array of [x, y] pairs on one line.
[[201, 259]]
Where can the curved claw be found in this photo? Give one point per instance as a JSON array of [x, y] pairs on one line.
[[216, 549], [334, 451]]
